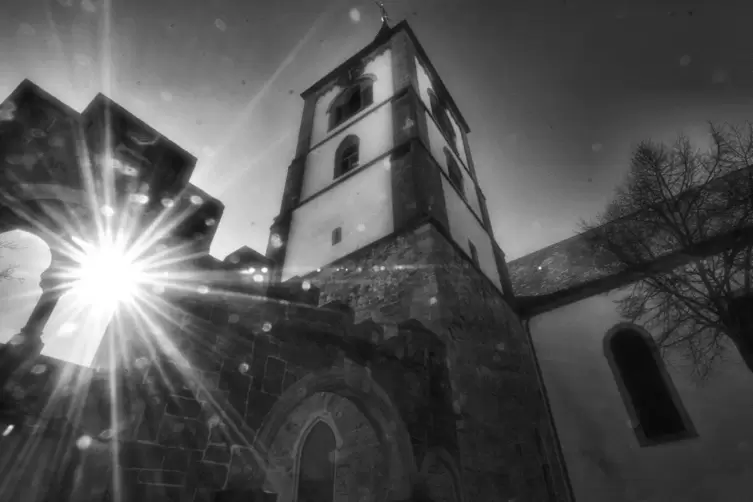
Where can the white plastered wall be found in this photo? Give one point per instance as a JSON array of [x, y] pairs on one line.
[[437, 145], [603, 457], [465, 226], [424, 84], [361, 204], [375, 134]]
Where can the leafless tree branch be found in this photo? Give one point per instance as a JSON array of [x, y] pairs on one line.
[[675, 199]]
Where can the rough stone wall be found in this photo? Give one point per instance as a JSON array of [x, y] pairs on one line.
[[221, 404], [495, 394]]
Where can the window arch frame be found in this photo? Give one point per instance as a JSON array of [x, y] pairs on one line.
[[443, 119], [300, 443], [457, 179], [362, 83], [689, 430], [349, 141]]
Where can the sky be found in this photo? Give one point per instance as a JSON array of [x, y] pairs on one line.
[[556, 92]]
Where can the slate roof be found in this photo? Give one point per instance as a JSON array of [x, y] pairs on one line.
[[554, 272], [554, 268]]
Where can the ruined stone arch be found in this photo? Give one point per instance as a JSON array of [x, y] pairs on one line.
[[354, 383]]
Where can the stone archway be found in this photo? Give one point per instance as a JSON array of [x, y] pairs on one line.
[[354, 383]]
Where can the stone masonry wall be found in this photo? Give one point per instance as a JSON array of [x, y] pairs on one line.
[[221, 404], [505, 446]]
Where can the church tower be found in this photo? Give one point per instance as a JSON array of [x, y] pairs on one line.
[[382, 210]]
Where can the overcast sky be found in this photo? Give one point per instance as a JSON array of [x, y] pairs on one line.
[[555, 91]]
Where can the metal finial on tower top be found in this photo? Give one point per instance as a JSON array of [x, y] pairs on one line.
[[383, 11]]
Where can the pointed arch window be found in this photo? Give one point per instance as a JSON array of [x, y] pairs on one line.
[[316, 471], [454, 172], [647, 390], [352, 100], [346, 155], [443, 119]]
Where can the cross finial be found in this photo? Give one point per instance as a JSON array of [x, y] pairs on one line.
[[383, 10]]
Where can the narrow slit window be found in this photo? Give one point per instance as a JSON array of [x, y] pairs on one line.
[[474, 253], [337, 235]]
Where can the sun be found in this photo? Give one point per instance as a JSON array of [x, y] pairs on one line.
[[106, 274]]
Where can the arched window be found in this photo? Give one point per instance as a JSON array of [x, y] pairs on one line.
[[346, 156], [456, 176], [351, 101], [443, 120], [647, 390], [316, 471]]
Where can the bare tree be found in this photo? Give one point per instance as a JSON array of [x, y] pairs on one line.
[[682, 223]]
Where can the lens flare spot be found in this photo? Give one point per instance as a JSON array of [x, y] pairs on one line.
[[210, 222], [84, 442], [139, 198], [38, 369], [106, 275], [243, 368], [306, 285], [8, 430], [267, 327], [276, 241], [355, 15]]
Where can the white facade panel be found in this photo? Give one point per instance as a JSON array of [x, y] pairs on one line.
[[603, 455], [375, 134], [464, 227], [361, 205]]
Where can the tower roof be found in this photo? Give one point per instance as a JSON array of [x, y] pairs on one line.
[[386, 32]]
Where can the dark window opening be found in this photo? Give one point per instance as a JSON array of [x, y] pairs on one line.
[[546, 471], [474, 253], [346, 156], [456, 176], [352, 101], [646, 387], [316, 475], [443, 120], [337, 235], [741, 310], [539, 445]]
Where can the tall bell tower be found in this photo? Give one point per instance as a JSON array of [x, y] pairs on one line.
[[382, 210]]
